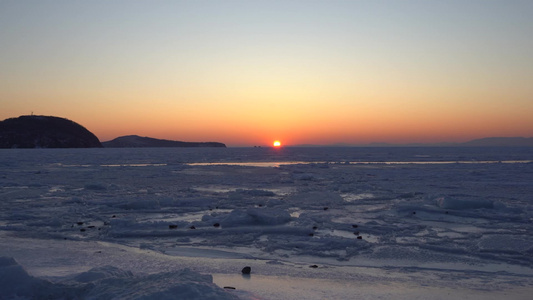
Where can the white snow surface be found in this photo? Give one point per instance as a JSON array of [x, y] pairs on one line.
[[312, 223]]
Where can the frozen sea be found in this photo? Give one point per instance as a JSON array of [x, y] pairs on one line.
[[312, 223]]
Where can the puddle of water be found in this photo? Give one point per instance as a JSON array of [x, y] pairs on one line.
[[215, 189], [259, 286], [186, 217]]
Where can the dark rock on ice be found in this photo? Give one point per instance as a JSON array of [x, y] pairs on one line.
[[45, 132], [216, 225], [246, 270], [359, 237], [313, 266], [172, 226]]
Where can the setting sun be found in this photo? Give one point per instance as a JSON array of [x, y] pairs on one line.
[[277, 144]]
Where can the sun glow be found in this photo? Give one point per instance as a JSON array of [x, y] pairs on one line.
[[276, 144]]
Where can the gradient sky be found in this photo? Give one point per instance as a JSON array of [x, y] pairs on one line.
[[249, 72]]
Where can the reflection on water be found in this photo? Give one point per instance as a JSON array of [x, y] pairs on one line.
[[277, 164], [134, 165]]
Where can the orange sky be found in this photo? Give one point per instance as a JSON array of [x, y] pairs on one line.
[[249, 72]]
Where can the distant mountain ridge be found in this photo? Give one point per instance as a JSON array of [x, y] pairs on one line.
[[135, 141], [501, 141], [45, 132], [483, 142]]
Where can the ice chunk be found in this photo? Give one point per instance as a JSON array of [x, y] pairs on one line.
[[506, 243], [15, 282], [108, 283], [256, 192], [458, 204], [256, 216], [316, 198], [102, 273], [139, 204], [96, 186], [304, 176], [187, 202]]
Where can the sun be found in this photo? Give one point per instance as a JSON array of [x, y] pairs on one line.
[[276, 144]]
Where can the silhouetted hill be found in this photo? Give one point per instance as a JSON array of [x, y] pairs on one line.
[[135, 141], [45, 132]]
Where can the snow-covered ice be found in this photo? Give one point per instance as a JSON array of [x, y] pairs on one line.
[[312, 223]]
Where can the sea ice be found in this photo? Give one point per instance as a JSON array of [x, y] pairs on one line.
[[71, 218]]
